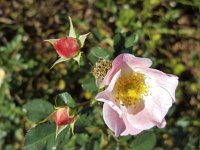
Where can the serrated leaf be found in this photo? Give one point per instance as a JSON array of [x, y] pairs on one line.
[[100, 52], [59, 61], [72, 32], [77, 58], [82, 39], [119, 41], [52, 41], [38, 110], [97, 53], [82, 139], [144, 141], [131, 40], [88, 83], [42, 137], [67, 99]]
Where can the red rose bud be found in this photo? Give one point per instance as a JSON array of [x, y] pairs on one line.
[[66, 47], [62, 117]]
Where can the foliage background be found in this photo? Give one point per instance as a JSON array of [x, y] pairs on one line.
[[167, 31]]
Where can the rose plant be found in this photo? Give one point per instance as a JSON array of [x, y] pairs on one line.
[[135, 97]]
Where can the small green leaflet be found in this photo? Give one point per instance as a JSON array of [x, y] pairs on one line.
[[43, 137], [38, 109], [67, 99], [144, 141]]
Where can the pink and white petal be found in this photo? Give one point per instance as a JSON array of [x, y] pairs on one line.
[[142, 120], [110, 87], [158, 78], [112, 119], [156, 107], [123, 61], [130, 130], [162, 124], [158, 104], [106, 96], [133, 61]]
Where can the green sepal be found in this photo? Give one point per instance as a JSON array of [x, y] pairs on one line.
[[59, 129], [77, 58], [82, 39], [59, 61], [52, 41], [72, 32]]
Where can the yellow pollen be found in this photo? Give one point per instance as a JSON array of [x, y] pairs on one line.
[[130, 89]]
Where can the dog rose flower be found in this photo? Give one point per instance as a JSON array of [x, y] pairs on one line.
[[66, 47], [137, 97]]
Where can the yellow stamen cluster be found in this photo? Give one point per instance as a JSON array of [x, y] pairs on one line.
[[101, 68], [130, 89]]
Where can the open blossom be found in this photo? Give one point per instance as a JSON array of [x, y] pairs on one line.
[[62, 117], [66, 47], [137, 97]]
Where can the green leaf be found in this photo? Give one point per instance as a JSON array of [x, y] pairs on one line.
[[119, 42], [126, 15], [88, 83], [52, 41], [131, 40], [144, 141], [100, 52], [42, 137], [67, 99], [82, 39], [38, 110], [72, 32], [77, 58], [59, 61], [82, 139], [97, 53]]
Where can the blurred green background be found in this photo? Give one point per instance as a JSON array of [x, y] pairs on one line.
[[168, 32]]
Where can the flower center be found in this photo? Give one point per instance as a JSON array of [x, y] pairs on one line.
[[130, 89]]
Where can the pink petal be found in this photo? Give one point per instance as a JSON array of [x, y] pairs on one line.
[[130, 130], [112, 119], [158, 104], [106, 95], [162, 124], [140, 121], [123, 61], [156, 107], [167, 81]]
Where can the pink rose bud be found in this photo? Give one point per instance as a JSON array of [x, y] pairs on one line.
[[66, 47], [62, 117]]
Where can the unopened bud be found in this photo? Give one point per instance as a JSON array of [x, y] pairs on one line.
[[66, 47], [62, 117]]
